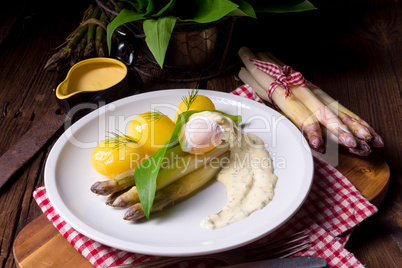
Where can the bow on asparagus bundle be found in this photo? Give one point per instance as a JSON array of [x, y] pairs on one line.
[[183, 175], [87, 41], [310, 109]]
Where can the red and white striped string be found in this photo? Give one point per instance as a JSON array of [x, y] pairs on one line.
[[284, 77]]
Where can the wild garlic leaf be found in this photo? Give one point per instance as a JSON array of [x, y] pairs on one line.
[[147, 172], [145, 176], [140, 6], [206, 11], [284, 6], [235, 118], [158, 34], [150, 8], [123, 17], [162, 7], [244, 9]]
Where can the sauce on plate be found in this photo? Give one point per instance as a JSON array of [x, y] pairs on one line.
[[248, 178]]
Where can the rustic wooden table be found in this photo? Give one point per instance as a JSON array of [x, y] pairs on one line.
[[352, 50]]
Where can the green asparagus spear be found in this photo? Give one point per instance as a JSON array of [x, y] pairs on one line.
[[89, 49], [65, 52], [126, 179], [179, 189], [126, 199], [100, 37], [52, 62], [172, 173], [79, 51], [111, 198], [118, 183]]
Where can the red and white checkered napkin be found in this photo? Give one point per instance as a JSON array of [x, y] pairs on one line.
[[332, 209]]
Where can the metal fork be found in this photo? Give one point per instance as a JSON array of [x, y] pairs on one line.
[[279, 248]]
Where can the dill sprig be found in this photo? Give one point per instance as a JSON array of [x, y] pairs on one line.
[[190, 99], [153, 116], [119, 140]]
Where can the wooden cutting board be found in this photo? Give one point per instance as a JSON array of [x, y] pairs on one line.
[[40, 244]]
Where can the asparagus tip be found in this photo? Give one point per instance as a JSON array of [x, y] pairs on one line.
[[317, 143], [362, 149], [98, 189], [377, 141], [119, 203], [363, 133], [348, 140], [134, 213]]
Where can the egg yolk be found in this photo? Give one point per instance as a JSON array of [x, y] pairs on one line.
[[194, 103], [116, 155], [152, 130]]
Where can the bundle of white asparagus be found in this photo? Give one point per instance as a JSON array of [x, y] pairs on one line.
[[312, 110], [182, 175]]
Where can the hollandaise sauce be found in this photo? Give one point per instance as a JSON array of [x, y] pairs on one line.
[[248, 178], [96, 75]]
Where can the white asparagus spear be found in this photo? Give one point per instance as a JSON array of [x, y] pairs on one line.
[[247, 78], [360, 128], [362, 147], [290, 106], [322, 112]]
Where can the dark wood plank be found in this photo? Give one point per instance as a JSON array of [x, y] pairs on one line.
[[29, 32], [225, 84]]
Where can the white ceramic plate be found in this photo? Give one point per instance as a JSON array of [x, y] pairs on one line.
[[175, 231]]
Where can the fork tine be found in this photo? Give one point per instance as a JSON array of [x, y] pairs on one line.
[[281, 252], [293, 238], [278, 248], [290, 253]]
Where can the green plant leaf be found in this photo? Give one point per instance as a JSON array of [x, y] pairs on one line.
[[145, 176], [167, 7], [147, 172], [140, 6], [205, 11], [236, 118], [244, 9], [150, 8], [284, 6], [158, 34], [123, 17]]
